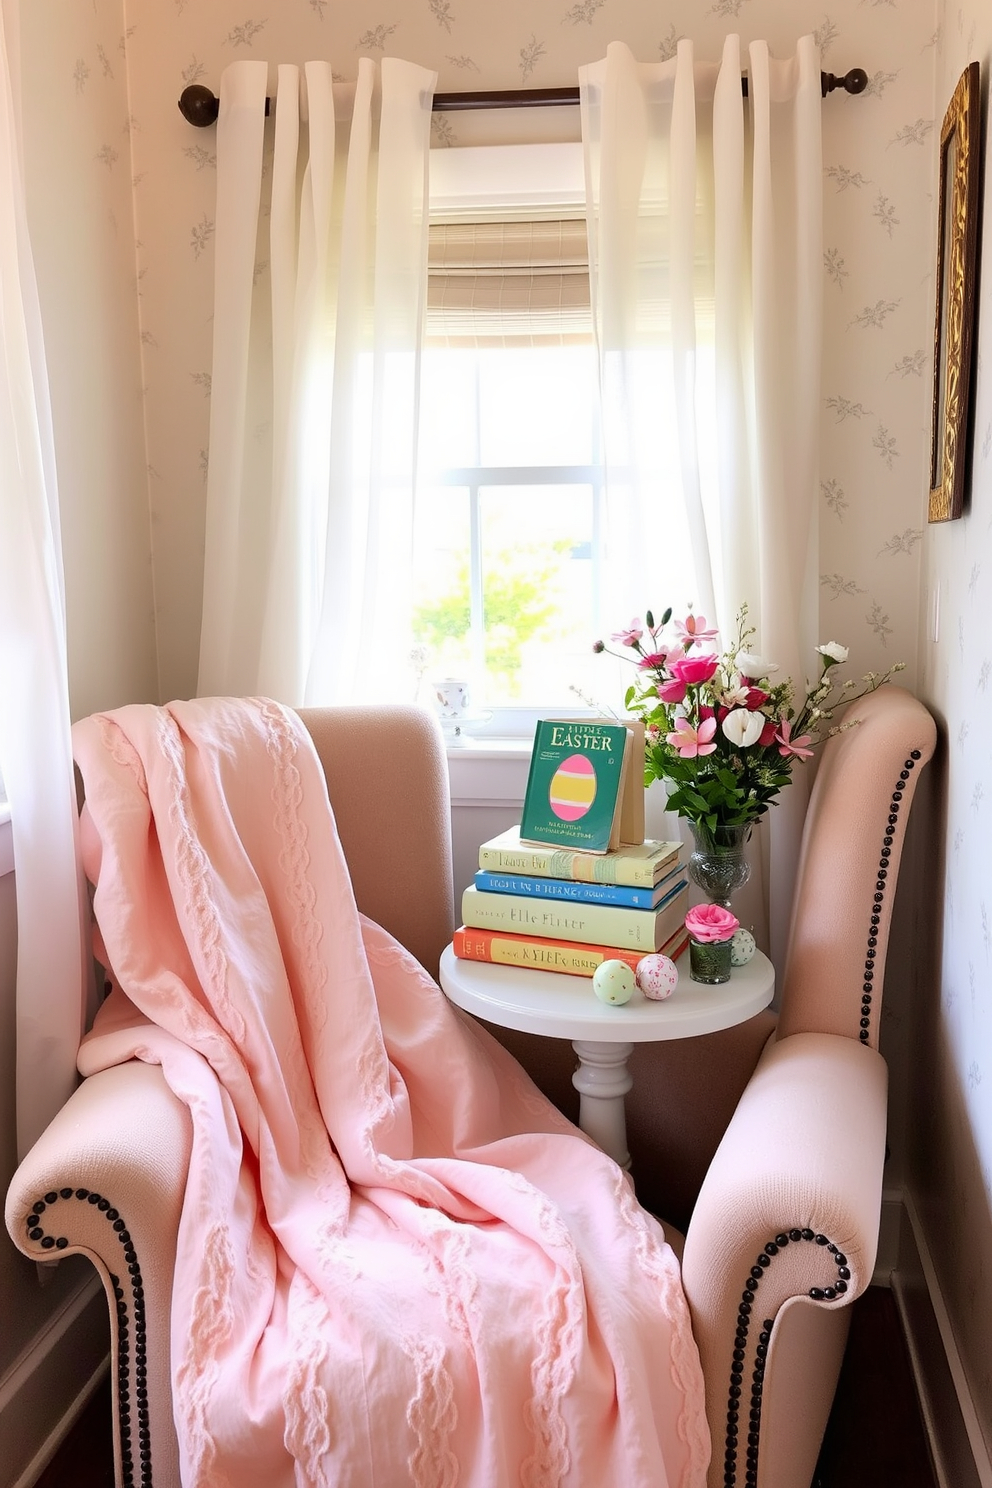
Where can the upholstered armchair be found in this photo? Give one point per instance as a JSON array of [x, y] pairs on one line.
[[765, 1142]]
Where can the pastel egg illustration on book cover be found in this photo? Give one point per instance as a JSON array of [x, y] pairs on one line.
[[613, 982], [657, 976], [573, 788]]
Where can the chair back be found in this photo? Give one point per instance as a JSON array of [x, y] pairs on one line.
[[848, 866], [387, 780]]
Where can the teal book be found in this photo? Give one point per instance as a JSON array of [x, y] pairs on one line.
[[575, 787], [651, 897]]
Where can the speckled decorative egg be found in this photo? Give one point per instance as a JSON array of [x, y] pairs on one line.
[[657, 976], [742, 947], [573, 788], [613, 982]]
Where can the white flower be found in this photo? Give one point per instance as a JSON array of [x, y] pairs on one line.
[[753, 666], [743, 728], [734, 697], [833, 651]]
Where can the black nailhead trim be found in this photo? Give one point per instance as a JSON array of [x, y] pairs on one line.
[[843, 1271], [61, 1243], [94, 1198], [914, 754], [820, 1239], [781, 1240], [82, 1193], [65, 1193], [840, 1287], [807, 1234], [816, 1293], [47, 1243], [35, 1234], [829, 1293], [52, 1197]]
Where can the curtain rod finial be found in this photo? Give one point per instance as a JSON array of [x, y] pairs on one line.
[[198, 105], [855, 81]]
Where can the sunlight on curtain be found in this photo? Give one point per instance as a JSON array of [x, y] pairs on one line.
[[317, 337], [35, 752], [705, 228]]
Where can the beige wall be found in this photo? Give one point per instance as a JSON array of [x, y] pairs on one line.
[[952, 1136]]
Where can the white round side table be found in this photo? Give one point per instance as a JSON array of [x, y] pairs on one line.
[[603, 1037]]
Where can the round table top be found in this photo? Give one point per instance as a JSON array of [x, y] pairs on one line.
[[561, 1006]]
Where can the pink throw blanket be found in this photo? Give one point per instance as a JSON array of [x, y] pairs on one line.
[[398, 1263]]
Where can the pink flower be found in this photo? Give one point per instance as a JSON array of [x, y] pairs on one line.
[[654, 661], [694, 669], [690, 741], [709, 922], [756, 699], [768, 733], [788, 745], [630, 636], [672, 692], [695, 631]]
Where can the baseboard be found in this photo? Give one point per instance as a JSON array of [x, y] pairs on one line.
[[49, 1384], [960, 1455]]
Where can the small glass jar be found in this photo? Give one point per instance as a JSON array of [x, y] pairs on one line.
[[709, 961]]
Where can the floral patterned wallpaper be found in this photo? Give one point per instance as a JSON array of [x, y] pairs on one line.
[[891, 587]]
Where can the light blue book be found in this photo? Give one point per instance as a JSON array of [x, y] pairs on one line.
[[584, 893]]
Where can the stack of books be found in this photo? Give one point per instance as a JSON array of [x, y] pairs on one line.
[[557, 909]]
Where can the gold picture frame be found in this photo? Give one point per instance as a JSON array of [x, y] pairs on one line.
[[957, 237]]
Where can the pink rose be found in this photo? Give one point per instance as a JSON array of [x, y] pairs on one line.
[[709, 922], [693, 669], [672, 692]]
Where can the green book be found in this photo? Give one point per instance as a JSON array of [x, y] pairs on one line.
[[575, 789]]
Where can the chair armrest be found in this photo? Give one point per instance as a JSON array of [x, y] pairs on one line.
[[801, 1162], [106, 1179]]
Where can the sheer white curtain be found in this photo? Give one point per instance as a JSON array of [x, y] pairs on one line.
[[705, 226], [35, 751], [321, 254]]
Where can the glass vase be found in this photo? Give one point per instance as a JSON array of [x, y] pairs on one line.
[[717, 864], [709, 961]]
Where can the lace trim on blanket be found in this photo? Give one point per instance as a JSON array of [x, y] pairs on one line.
[[193, 868], [121, 750], [307, 1436], [211, 1324], [287, 796], [658, 1263], [432, 1415], [559, 1335]]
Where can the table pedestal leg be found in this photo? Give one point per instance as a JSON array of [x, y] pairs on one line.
[[602, 1080]]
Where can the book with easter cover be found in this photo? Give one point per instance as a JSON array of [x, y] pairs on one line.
[[640, 865], [540, 954], [642, 930], [575, 787]]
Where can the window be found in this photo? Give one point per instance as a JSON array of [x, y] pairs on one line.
[[510, 489]]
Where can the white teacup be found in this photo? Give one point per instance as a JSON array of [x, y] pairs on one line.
[[453, 696]]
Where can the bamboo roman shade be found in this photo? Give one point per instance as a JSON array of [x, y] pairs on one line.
[[518, 283]]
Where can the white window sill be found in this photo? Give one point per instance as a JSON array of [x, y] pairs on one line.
[[481, 748]]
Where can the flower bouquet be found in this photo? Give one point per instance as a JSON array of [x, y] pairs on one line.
[[719, 731]]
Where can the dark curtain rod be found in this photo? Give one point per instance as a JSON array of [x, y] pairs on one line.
[[199, 106]]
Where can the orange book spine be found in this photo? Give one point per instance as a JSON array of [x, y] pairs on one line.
[[565, 956]]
